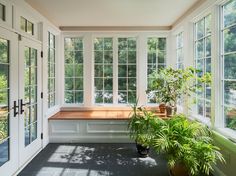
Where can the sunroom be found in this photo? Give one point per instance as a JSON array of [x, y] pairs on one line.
[[71, 71]]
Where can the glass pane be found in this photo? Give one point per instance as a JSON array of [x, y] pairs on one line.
[[98, 56], [30, 28], [132, 44], [122, 56], [208, 109], [162, 43], [69, 83], [200, 29], [208, 65], [78, 57], [152, 57], [27, 136], [132, 70], [4, 124], [131, 96], [208, 47], [200, 48], [229, 40], [69, 57], [78, 83], [122, 71], [208, 92], [98, 84], [69, 70], [132, 57], [122, 97], [122, 83], [33, 131], [4, 76], [122, 44], [98, 72], [200, 105], [152, 44], [2, 13], [230, 93], [108, 69], [230, 66], [78, 70], [23, 24], [230, 117], [108, 57], [108, 84], [4, 152], [208, 24], [79, 97], [132, 84], [4, 51], [98, 97], [108, 97], [69, 97], [108, 44], [229, 13], [161, 57], [98, 44], [4, 97]]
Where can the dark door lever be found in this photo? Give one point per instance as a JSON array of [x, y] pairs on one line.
[[21, 106], [15, 107]]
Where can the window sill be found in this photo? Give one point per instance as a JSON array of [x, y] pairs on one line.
[[201, 119]]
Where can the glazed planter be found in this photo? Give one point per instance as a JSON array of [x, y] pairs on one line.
[[178, 170], [143, 151]]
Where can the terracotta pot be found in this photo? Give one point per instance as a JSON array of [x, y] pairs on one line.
[[171, 110], [162, 107], [178, 170], [143, 151]]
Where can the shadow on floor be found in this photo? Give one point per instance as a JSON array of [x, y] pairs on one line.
[[94, 160]]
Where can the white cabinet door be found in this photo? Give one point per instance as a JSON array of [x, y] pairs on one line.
[[9, 121], [30, 115]]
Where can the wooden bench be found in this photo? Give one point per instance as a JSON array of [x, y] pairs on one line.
[[92, 125]]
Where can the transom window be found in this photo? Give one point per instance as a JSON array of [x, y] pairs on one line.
[[228, 64], [2, 12], [203, 65], [103, 70], [26, 26], [51, 70], [74, 70], [156, 59]]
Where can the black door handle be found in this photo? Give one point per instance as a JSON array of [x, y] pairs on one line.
[[21, 106], [15, 108]]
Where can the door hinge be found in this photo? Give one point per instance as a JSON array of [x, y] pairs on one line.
[[41, 54], [41, 95], [41, 135], [19, 37]]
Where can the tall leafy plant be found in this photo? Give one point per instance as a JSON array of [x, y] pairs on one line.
[[188, 143]]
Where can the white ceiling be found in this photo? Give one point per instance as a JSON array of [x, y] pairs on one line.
[[112, 12]]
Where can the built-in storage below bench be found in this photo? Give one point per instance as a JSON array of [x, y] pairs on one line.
[[90, 125]]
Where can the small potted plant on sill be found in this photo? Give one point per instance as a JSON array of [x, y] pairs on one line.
[[141, 129], [187, 145], [170, 84]]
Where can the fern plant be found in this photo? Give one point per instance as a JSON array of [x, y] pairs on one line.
[[187, 143]]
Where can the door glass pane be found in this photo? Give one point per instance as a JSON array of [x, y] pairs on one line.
[[30, 94], [2, 12], [4, 101]]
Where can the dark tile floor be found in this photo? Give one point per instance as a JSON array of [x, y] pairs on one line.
[[94, 160]]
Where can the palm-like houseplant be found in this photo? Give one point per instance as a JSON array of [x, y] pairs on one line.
[[187, 145]]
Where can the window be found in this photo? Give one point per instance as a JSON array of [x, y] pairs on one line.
[[126, 70], [203, 65], [179, 51], [74, 70], [103, 70], [2, 12], [26, 26], [51, 70], [156, 59], [228, 64]]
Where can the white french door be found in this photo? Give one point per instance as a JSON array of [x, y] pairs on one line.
[[30, 117], [9, 121], [20, 101]]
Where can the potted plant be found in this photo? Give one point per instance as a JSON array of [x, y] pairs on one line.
[[187, 145], [170, 84], [140, 128]]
